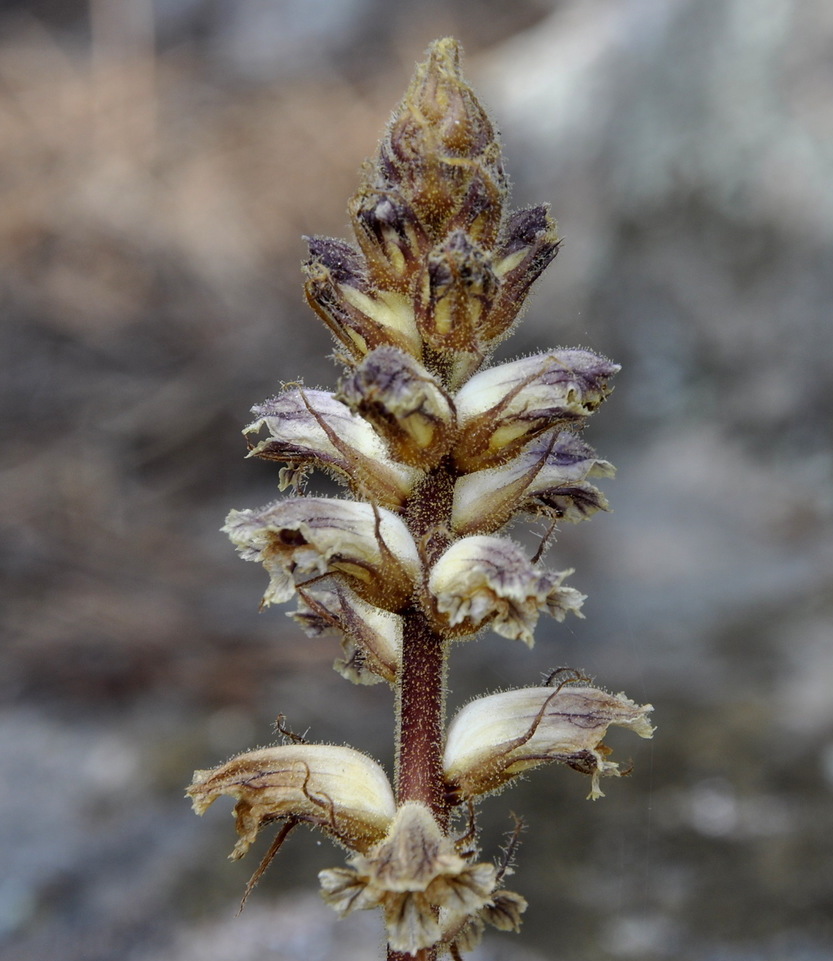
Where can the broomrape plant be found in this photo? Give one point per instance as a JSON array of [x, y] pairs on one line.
[[438, 451]]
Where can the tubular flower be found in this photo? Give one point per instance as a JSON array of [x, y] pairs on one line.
[[312, 428], [503, 407], [404, 403], [547, 477], [359, 316], [527, 245], [418, 879], [488, 580], [336, 788], [369, 547], [370, 638], [494, 739]]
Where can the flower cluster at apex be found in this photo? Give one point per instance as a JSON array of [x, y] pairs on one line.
[[438, 451]]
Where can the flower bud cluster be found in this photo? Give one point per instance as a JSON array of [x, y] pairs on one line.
[[438, 451]]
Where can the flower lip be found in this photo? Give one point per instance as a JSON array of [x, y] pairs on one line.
[[482, 580], [369, 547]]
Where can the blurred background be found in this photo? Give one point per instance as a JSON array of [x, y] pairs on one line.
[[159, 162]]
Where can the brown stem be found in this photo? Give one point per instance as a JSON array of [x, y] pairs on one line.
[[420, 688], [421, 717], [425, 954]]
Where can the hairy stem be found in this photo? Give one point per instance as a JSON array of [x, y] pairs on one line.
[[426, 954], [420, 688], [421, 717]]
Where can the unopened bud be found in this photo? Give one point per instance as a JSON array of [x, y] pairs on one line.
[[494, 739], [336, 788], [483, 581], [370, 548], [439, 142], [311, 428], [502, 408], [404, 403], [546, 477], [455, 294], [528, 244], [390, 235]]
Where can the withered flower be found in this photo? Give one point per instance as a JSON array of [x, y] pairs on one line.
[[418, 879], [370, 638], [335, 788], [369, 547], [489, 580], [502, 911], [494, 739]]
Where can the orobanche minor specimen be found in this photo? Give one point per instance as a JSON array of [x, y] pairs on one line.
[[439, 450]]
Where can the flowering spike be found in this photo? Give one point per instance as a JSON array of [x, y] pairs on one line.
[[439, 449]]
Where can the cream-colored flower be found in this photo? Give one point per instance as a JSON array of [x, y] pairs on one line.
[[502, 408], [489, 580], [418, 879], [548, 477], [311, 427], [370, 638], [404, 403], [494, 739], [300, 537], [336, 788]]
